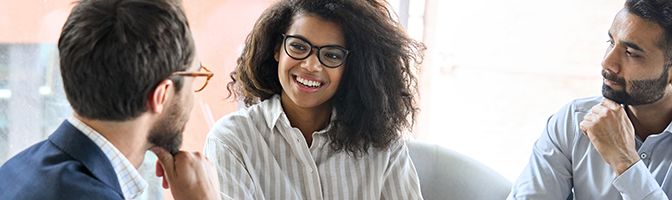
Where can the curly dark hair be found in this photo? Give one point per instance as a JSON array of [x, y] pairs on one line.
[[376, 95]]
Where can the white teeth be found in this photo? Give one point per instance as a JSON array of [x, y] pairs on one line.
[[308, 82]]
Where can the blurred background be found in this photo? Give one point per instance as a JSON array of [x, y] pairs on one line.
[[493, 73]]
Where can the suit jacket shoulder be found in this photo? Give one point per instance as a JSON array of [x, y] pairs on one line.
[[68, 165]]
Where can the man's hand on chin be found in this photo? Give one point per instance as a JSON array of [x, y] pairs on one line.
[[189, 175], [612, 134]]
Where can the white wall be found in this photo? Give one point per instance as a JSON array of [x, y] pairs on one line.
[[496, 70]]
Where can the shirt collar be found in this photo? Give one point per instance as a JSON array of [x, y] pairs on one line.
[[274, 113], [668, 129], [131, 182]]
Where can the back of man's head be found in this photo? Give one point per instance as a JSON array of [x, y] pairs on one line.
[[659, 12], [113, 53]]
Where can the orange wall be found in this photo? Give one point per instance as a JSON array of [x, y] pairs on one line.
[[32, 21], [219, 28]]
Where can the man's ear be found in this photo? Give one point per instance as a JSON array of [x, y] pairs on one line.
[[159, 97]]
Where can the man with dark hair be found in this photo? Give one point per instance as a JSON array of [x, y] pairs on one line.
[[618, 146], [129, 72]]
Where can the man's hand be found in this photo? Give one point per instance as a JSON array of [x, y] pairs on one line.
[[189, 175], [611, 132]]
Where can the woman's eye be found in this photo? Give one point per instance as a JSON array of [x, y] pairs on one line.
[[298, 47], [334, 56]]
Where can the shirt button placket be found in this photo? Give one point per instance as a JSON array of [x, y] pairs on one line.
[[646, 158]]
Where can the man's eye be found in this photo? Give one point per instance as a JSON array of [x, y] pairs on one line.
[[629, 53]]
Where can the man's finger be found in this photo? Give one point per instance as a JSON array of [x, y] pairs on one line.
[[159, 169], [165, 158], [588, 117], [160, 173], [165, 183], [610, 104], [584, 125], [600, 110]]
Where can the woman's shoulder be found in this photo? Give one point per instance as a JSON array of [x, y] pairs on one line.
[[242, 124], [393, 149], [397, 146]]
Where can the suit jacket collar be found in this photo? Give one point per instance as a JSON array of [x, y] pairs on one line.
[[74, 143]]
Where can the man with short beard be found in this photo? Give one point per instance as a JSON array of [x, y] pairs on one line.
[[129, 72], [618, 146]]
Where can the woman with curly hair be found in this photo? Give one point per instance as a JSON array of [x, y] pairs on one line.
[[329, 89]]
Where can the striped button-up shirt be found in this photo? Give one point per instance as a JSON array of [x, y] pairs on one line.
[[260, 156], [132, 184]]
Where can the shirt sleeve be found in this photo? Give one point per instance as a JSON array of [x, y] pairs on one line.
[[401, 179], [637, 183], [548, 175], [234, 179]]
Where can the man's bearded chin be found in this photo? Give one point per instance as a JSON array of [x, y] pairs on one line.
[[642, 91], [167, 131]]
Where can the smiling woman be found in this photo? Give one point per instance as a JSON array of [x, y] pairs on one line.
[[330, 87]]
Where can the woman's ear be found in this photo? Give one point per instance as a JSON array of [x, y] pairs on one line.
[[158, 99], [277, 55], [278, 48], [669, 74]]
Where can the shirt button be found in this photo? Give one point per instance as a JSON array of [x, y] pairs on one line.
[[643, 155]]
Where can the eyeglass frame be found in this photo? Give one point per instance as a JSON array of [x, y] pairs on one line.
[[208, 74], [284, 46]]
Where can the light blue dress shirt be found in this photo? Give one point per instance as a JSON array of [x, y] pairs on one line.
[[565, 165]]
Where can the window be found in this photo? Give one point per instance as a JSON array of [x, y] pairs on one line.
[[31, 96]]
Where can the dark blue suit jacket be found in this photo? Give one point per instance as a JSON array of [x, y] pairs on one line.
[[68, 165]]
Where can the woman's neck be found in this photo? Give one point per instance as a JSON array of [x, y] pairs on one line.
[[307, 120]]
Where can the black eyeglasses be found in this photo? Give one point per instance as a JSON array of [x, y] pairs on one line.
[[299, 48], [199, 83]]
